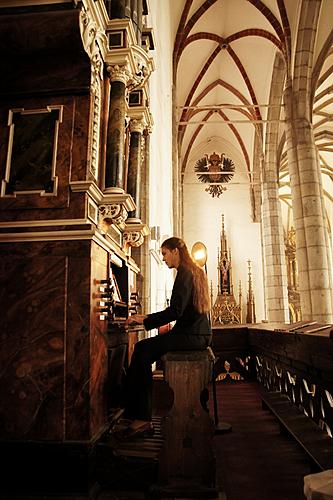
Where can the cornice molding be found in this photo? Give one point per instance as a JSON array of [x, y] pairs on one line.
[[116, 195], [92, 234], [111, 196], [44, 223], [48, 236], [29, 3], [90, 187]]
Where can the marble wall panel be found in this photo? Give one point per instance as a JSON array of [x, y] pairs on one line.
[[77, 397], [32, 151], [71, 159], [32, 346], [42, 52], [76, 209], [81, 111], [53, 353], [99, 343]]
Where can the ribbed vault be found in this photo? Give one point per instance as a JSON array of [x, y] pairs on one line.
[[223, 61]]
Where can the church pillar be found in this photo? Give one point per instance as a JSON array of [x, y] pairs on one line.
[[276, 282], [312, 243], [276, 285], [115, 146], [134, 165]]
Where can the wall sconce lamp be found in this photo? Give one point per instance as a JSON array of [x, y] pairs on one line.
[[199, 254]]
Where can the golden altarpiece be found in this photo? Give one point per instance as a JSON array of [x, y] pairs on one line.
[[291, 263], [225, 310]]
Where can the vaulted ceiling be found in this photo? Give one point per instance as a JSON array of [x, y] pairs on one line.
[[224, 56]]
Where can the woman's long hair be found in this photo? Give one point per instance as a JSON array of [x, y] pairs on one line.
[[201, 299]]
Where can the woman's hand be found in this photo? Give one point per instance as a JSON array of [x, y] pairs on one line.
[[135, 319]]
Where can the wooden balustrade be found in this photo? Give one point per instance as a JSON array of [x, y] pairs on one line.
[[295, 370]]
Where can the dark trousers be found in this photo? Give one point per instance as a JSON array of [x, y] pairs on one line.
[[138, 387]]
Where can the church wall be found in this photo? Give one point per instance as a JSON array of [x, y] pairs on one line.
[[202, 222], [160, 198]]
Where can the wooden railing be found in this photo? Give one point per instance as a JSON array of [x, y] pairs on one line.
[[299, 365], [295, 372]]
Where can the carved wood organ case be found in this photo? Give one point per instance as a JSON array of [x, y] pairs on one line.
[[74, 123]]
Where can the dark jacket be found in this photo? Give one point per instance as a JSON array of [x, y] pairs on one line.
[[181, 309]]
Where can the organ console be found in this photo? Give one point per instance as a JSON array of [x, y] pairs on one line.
[[117, 299]]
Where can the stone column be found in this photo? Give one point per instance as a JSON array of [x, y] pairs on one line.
[[312, 243], [276, 282], [312, 246], [136, 127], [115, 146]]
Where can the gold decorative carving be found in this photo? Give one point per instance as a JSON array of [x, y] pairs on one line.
[[119, 73], [137, 125], [141, 72], [93, 38], [134, 60], [251, 308], [132, 79], [109, 214], [292, 273], [228, 373], [225, 311], [133, 238], [95, 118], [135, 232], [150, 122]]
